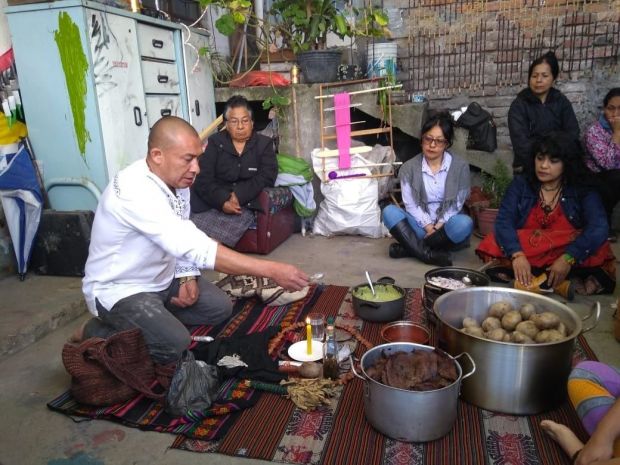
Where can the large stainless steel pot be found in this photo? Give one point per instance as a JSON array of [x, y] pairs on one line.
[[409, 416], [519, 379]]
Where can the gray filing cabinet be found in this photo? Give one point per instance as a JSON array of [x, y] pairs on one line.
[[93, 80]]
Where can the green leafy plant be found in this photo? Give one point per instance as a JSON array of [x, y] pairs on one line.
[[302, 24], [276, 102], [495, 184], [305, 24]]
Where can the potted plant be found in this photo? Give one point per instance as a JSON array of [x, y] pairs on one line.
[[494, 186], [303, 25]]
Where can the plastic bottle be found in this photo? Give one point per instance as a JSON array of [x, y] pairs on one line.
[[330, 352]]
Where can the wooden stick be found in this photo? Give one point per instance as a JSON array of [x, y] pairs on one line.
[[350, 106], [361, 132], [385, 175], [334, 125], [209, 129], [371, 165], [365, 91], [296, 123], [334, 153]]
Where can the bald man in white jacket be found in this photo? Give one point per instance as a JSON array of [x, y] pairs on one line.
[[145, 256]]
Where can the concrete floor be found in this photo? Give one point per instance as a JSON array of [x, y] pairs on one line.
[[36, 317]]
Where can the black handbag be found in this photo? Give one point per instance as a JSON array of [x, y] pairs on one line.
[[481, 127]]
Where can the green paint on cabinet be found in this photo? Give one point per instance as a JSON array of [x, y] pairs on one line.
[[75, 67]]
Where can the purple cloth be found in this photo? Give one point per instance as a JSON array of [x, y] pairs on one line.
[[592, 408]]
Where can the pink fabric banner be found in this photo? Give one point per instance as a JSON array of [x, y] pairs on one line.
[[342, 104]]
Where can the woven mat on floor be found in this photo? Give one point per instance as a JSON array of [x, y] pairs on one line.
[[273, 429]]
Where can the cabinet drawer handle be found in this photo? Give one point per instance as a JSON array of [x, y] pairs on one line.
[[137, 116], [166, 112], [197, 107], [158, 43], [162, 78]]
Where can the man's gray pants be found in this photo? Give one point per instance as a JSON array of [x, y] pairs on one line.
[[163, 325]]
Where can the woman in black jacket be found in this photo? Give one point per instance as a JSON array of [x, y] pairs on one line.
[[236, 166], [538, 110]]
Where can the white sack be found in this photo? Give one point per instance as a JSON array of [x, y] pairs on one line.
[[350, 206]]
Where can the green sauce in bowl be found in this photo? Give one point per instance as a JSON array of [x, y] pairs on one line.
[[383, 293]]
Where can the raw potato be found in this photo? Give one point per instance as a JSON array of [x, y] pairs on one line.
[[310, 370], [510, 320], [470, 322], [473, 330], [491, 323], [507, 337], [527, 310], [562, 329], [527, 328], [545, 320], [549, 335], [497, 334], [520, 338], [499, 309]]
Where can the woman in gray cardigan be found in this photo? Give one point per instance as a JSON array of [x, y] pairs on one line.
[[434, 185]]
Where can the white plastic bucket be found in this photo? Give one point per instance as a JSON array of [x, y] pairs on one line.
[[382, 59]]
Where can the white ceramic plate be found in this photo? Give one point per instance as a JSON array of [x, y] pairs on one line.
[[299, 351]]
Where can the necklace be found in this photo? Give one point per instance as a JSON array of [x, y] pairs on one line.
[[547, 207], [549, 189]]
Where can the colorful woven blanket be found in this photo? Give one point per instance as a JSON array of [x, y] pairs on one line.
[[274, 429]]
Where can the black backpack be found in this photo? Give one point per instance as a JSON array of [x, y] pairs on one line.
[[482, 130]]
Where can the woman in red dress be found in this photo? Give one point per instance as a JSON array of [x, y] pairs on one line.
[[550, 222]]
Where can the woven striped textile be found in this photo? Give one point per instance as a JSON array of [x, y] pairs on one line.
[[274, 429]]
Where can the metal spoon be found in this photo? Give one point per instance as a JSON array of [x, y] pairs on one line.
[[372, 289], [316, 277]]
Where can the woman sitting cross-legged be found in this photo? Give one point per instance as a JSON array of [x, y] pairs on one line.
[[602, 141], [594, 391], [236, 166], [434, 185], [551, 222]]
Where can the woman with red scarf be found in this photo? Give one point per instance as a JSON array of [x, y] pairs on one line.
[[550, 223]]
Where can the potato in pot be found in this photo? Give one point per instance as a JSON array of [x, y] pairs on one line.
[[491, 323], [510, 320], [499, 309], [545, 320]]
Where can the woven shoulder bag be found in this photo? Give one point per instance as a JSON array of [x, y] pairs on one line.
[[110, 371]]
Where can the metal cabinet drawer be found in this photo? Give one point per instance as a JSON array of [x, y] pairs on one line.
[[160, 78], [162, 105], [156, 42]]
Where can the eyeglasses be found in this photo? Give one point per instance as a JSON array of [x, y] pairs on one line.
[[237, 122], [432, 140]]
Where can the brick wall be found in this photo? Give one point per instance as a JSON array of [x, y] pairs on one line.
[[456, 51]]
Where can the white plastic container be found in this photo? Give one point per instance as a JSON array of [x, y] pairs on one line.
[[382, 59]]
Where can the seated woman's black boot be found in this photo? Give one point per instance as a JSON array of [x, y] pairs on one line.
[[397, 251], [406, 237], [439, 240]]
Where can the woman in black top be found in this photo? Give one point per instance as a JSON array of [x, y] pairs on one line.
[[538, 110], [236, 166]]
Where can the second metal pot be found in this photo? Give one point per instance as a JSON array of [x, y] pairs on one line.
[[409, 416], [518, 379], [431, 291]]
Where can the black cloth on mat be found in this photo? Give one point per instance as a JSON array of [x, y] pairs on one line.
[[251, 348]]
